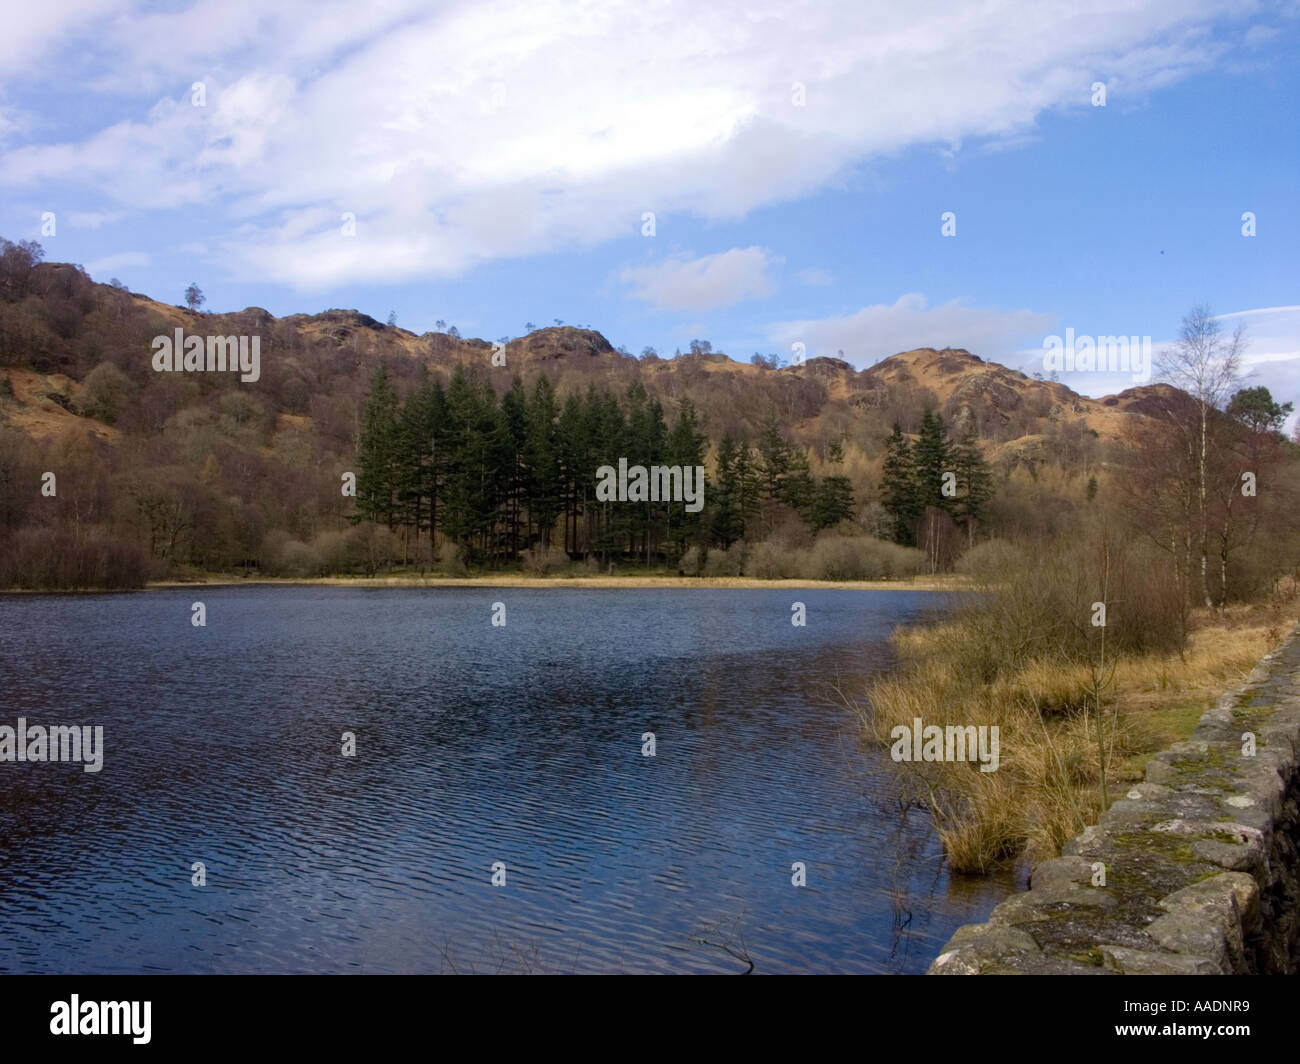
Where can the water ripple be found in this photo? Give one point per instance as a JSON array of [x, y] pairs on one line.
[[475, 745]]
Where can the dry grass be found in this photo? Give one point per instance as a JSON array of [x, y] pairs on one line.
[[1048, 785]]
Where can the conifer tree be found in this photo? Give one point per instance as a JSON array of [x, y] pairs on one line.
[[726, 523], [796, 488], [514, 411], [377, 459], [543, 459], [930, 460], [654, 450], [832, 503], [411, 456], [479, 444], [609, 436], [774, 458], [571, 451], [686, 447], [750, 484], [898, 488], [974, 484]]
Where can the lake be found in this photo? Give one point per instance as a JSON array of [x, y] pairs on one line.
[[518, 745]]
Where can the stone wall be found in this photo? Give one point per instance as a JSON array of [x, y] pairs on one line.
[[1201, 873]]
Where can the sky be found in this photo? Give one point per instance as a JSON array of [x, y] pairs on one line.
[[847, 179]]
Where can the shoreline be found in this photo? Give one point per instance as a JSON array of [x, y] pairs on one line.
[[604, 582], [515, 580]]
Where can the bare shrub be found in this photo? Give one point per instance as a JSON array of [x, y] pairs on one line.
[[990, 556], [542, 560], [730, 562], [453, 558], [105, 393], [691, 562], [835, 557], [66, 558], [768, 561]]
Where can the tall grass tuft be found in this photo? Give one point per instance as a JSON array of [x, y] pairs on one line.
[[1023, 654]]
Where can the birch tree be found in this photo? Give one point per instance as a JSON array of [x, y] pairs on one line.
[[1206, 365]]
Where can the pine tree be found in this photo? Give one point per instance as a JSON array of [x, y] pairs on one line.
[[974, 484], [609, 435], [774, 458], [797, 489], [436, 427], [514, 410], [571, 449], [686, 448], [631, 518], [654, 450], [410, 460], [749, 481], [930, 460], [543, 458], [478, 467], [832, 503], [898, 488], [726, 523], [377, 458], [460, 397]]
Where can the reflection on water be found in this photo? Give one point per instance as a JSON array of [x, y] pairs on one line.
[[475, 745]]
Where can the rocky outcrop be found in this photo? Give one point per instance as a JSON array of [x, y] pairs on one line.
[[554, 344], [1194, 871]]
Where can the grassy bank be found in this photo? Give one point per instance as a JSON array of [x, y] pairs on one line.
[[1023, 657]]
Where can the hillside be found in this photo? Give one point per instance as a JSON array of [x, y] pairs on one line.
[[205, 470], [62, 325]]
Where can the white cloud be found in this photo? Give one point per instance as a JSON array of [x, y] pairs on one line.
[[1272, 333], [816, 277], [489, 129], [1260, 34], [12, 122], [31, 31], [706, 283], [1271, 359], [93, 219], [102, 267], [875, 332]]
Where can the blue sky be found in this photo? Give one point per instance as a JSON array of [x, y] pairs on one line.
[[499, 159]]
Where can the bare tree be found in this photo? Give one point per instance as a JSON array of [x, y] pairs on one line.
[[1207, 366], [1157, 489]]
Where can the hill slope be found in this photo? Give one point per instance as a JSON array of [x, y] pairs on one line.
[[202, 469], [57, 326]]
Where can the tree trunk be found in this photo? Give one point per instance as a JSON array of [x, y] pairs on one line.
[[1205, 516]]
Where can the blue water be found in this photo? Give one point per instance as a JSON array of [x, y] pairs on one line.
[[475, 744]]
